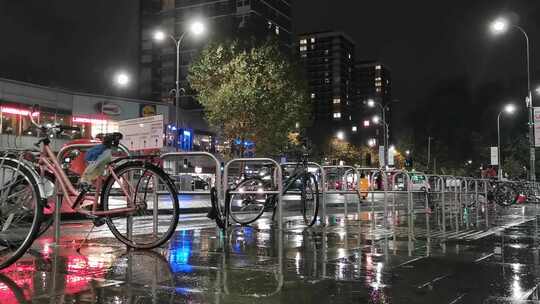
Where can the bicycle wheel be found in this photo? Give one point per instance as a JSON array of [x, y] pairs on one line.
[[20, 211], [49, 207], [505, 194], [245, 208], [309, 199], [216, 211], [152, 192]]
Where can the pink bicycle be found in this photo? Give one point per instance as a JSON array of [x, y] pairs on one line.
[[133, 196]]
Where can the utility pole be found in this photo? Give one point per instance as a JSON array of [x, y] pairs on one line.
[[429, 151]]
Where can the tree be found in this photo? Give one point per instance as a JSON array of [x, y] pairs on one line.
[[250, 93], [343, 151]]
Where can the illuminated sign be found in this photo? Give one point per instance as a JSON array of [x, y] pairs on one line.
[[88, 120], [16, 111]]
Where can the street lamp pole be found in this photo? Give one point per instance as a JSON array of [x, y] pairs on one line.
[[196, 28], [508, 109], [371, 103], [499, 160], [177, 42], [501, 25], [529, 103]]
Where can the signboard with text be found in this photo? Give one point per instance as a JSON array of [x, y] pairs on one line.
[[537, 126], [381, 156], [391, 155], [142, 133], [494, 156]]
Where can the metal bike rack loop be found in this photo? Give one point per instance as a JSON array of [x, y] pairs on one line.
[[322, 217], [278, 180], [343, 184], [58, 200], [217, 184]]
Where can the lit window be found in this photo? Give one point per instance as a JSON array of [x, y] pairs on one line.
[[378, 90], [312, 40], [327, 80], [377, 67], [378, 84], [303, 41], [312, 95], [326, 52], [277, 30], [337, 115], [337, 100], [366, 123], [349, 55], [354, 128], [303, 48], [303, 55], [350, 117], [269, 24], [378, 78]]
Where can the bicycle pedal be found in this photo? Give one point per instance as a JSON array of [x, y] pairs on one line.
[[100, 221]]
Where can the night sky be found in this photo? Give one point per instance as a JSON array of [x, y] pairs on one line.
[[78, 44]]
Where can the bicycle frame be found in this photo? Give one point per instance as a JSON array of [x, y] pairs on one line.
[[48, 161]]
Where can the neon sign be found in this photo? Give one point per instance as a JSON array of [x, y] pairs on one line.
[[15, 111], [88, 120]]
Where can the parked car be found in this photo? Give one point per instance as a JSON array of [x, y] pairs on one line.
[[199, 184]]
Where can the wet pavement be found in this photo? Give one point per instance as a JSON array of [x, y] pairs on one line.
[[357, 259]]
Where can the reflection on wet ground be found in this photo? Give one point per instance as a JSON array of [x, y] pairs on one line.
[[353, 260]]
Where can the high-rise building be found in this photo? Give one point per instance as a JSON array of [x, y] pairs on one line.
[[224, 19], [328, 60], [373, 81]]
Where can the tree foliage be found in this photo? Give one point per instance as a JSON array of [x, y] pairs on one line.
[[250, 93]]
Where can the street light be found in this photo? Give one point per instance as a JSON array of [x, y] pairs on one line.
[[407, 152], [509, 109], [196, 28], [340, 135], [121, 79], [499, 26], [372, 103], [376, 119]]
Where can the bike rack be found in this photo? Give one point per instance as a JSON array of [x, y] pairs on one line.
[[217, 183], [278, 180], [323, 182], [58, 201], [343, 192], [438, 188]]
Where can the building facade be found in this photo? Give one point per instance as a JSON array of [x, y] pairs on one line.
[[224, 19], [374, 82], [328, 60], [93, 114]]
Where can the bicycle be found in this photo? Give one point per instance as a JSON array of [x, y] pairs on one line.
[[134, 197], [246, 208]]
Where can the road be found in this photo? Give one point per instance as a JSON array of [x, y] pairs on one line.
[[356, 259]]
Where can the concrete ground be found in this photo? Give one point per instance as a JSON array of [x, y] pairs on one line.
[[359, 259]]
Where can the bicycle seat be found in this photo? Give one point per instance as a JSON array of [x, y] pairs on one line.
[[110, 139]]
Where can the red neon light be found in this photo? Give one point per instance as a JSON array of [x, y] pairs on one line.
[[16, 111], [89, 120]]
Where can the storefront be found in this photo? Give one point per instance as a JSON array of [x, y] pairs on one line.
[[93, 114]]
